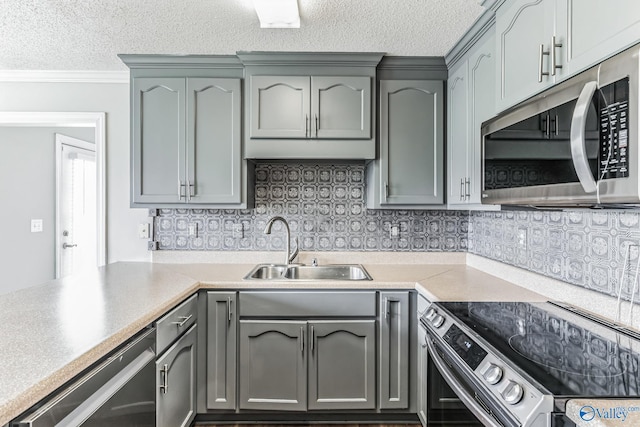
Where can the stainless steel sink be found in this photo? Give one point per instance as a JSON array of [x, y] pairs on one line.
[[308, 272]]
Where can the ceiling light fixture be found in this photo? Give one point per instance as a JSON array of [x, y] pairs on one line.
[[277, 13]]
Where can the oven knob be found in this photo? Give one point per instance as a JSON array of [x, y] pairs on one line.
[[430, 314], [512, 393], [437, 321], [493, 374]]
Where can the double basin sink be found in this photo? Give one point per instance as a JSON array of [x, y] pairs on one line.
[[308, 272]]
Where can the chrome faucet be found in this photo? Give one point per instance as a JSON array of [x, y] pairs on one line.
[[267, 230]]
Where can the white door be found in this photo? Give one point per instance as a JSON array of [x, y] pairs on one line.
[[76, 215]]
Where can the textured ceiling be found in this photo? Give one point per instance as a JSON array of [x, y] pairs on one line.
[[88, 34]]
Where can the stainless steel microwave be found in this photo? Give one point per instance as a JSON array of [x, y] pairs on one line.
[[576, 144]]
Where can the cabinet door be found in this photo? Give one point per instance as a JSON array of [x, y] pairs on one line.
[[279, 107], [482, 105], [522, 26], [411, 142], [394, 350], [341, 107], [273, 362], [342, 364], [221, 350], [176, 383], [423, 361], [213, 141], [597, 29], [458, 135], [158, 140]]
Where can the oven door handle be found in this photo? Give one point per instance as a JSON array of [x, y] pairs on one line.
[[463, 394], [577, 137]]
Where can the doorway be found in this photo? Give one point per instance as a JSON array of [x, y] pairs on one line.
[[95, 124], [76, 233]]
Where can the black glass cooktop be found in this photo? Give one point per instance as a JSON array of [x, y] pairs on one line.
[[566, 353]]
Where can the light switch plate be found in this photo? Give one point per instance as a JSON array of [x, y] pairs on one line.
[[36, 226], [143, 230]]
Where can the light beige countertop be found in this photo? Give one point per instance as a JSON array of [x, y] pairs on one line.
[[51, 332]]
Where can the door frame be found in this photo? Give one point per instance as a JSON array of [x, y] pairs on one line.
[[96, 120]]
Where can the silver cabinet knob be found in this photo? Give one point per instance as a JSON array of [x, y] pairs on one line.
[[437, 321], [512, 393], [493, 374]]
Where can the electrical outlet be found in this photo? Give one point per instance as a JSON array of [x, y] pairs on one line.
[[193, 229], [143, 230], [36, 226], [394, 230], [522, 239]]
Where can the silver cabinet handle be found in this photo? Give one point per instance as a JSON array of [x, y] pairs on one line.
[[547, 126], [556, 126], [467, 188], [306, 126], [229, 312], [554, 60], [541, 71], [578, 143], [316, 125], [386, 191], [164, 379], [67, 245], [311, 338], [191, 190], [184, 320], [461, 189], [181, 190]]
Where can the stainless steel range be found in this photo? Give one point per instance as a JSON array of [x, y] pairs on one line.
[[518, 364]]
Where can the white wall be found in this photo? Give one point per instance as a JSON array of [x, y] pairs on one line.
[[113, 99], [27, 191]]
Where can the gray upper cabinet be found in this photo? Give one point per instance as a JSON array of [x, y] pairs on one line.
[[540, 42], [341, 107], [280, 106], [309, 105], [159, 140], [186, 118], [524, 30], [342, 364], [410, 170], [394, 350], [221, 338], [176, 383], [273, 365], [471, 101]]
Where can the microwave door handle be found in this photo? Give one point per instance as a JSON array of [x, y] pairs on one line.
[[463, 395], [578, 142]]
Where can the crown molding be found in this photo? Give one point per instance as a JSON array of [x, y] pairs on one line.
[[63, 76]]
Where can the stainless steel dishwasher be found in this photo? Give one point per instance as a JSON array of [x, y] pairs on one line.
[[119, 391]]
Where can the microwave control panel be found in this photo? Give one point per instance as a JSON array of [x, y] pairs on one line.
[[614, 131]]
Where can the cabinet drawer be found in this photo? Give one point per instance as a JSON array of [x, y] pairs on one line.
[[175, 323], [307, 304]]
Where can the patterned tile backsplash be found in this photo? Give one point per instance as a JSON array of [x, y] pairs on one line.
[[325, 207], [595, 249]]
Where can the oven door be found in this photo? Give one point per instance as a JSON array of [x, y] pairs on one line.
[[479, 406]]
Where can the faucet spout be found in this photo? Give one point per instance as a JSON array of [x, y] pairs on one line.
[[267, 230]]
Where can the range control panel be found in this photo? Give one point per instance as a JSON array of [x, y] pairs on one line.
[[614, 130]]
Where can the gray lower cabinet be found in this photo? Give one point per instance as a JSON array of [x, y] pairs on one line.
[[273, 359], [314, 365], [342, 364], [394, 350], [176, 383], [410, 170], [221, 338]]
